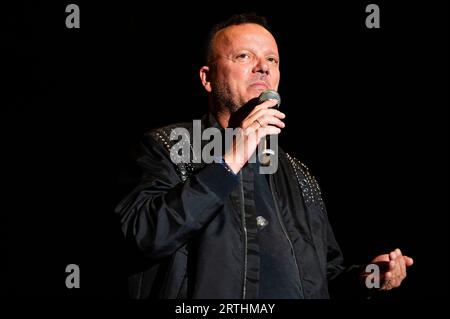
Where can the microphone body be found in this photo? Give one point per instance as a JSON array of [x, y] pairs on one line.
[[267, 152]]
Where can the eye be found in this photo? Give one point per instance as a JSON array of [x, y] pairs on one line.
[[272, 60], [243, 57]]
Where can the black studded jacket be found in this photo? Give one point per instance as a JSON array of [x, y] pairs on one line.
[[186, 224]]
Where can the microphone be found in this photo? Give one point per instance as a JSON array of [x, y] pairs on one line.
[[267, 152]]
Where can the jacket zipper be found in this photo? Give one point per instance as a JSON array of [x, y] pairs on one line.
[[272, 188], [244, 226]]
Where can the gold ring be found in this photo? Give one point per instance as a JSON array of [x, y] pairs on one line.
[[258, 122]]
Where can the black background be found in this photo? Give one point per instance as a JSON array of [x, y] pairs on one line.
[[367, 111]]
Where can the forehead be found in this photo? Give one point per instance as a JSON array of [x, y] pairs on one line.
[[251, 36]]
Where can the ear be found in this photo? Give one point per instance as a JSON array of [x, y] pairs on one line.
[[205, 75]]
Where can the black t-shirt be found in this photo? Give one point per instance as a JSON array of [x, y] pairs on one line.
[[278, 273]]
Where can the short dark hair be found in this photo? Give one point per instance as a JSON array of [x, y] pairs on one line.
[[236, 19]]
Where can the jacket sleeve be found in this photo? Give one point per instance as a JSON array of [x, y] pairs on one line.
[[344, 281], [162, 213], [335, 258]]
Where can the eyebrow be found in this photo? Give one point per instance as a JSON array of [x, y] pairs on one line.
[[248, 49]]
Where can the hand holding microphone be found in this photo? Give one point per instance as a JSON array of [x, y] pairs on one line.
[[265, 119]]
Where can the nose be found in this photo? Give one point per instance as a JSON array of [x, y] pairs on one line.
[[261, 65]]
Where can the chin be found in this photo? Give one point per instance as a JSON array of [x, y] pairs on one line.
[[257, 90]]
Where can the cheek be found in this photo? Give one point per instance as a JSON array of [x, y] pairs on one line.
[[246, 73], [231, 75], [243, 77], [275, 78], [238, 78]]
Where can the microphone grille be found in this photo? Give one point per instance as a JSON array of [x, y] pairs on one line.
[[269, 95]]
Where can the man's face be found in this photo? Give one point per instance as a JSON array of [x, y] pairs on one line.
[[245, 63]]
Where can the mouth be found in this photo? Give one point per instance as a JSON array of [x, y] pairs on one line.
[[259, 85]]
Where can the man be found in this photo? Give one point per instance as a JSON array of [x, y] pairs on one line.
[[222, 229]]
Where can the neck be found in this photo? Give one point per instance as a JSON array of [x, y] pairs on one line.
[[223, 118], [221, 114], [227, 118]]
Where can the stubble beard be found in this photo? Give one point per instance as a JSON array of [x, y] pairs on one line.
[[223, 99]]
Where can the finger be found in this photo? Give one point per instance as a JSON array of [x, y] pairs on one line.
[[387, 280], [386, 285], [260, 113], [408, 261], [268, 130], [263, 123], [387, 276], [392, 255], [270, 120], [400, 272], [255, 125], [381, 258], [267, 117], [392, 264], [266, 104], [402, 267], [395, 267], [394, 283]]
